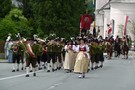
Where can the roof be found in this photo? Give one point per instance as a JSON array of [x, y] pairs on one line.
[[123, 1]]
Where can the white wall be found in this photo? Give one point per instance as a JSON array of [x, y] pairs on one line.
[[119, 12], [106, 21], [100, 3], [100, 16]]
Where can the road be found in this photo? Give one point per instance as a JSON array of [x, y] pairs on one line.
[[117, 74]]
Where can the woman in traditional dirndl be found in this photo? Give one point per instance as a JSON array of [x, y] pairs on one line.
[[69, 57], [82, 59]]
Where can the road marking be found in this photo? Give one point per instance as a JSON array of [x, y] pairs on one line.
[[11, 77], [53, 86]]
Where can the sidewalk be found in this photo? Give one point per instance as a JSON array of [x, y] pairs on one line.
[[3, 61]]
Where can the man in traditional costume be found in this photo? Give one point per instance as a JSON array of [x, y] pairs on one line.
[[37, 49], [125, 47], [92, 54], [82, 59], [30, 59], [51, 54], [59, 53], [117, 46], [22, 49], [44, 55], [109, 49], [101, 51], [96, 53], [15, 50]]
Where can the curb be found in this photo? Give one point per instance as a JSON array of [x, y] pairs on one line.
[[4, 61]]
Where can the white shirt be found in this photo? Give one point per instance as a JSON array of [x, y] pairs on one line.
[[78, 46]]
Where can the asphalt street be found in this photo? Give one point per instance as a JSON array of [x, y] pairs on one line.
[[117, 74]]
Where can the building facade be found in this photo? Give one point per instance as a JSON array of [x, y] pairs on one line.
[[114, 13]]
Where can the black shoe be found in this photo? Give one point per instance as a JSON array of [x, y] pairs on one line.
[[67, 71], [13, 70], [17, 70], [31, 71], [27, 75], [92, 68], [48, 70], [22, 68], [88, 70], [34, 74], [53, 70], [39, 68], [44, 67], [101, 66], [83, 76], [96, 67], [59, 68]]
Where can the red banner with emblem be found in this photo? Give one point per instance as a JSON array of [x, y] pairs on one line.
[[86, 21]]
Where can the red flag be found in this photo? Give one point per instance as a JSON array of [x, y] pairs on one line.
[[125, 27], [86, 21], [109, 30]]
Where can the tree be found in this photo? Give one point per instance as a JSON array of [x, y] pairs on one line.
[[15, 23], [60, 16], [5, 7], [26, 8]]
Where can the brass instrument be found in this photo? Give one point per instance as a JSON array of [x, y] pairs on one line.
[[38, 39], [15, 48]]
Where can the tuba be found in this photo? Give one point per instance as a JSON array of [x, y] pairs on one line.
[[30, 52]]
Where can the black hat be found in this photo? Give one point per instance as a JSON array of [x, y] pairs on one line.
[[96, 40], [84, 39]]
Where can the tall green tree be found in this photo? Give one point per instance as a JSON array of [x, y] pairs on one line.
[[60, 16], [15, 23], [5, 7]]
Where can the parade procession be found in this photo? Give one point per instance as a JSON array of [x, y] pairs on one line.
[[79, 55], [67, 44]]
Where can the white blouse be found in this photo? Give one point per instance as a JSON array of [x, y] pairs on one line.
[[79, 46], [67, 47]]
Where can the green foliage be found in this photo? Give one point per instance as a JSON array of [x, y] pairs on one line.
[[60, 16], [14, 23], [5, 7], [42, 17]]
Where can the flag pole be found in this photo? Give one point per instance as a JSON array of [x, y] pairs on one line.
[[125, 27]]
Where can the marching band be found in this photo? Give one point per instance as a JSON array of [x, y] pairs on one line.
[[80, 55]]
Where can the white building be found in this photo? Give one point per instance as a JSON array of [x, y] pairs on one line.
[[116, 11]]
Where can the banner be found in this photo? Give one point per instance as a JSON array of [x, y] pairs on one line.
[[125, 27], [85, 22]]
